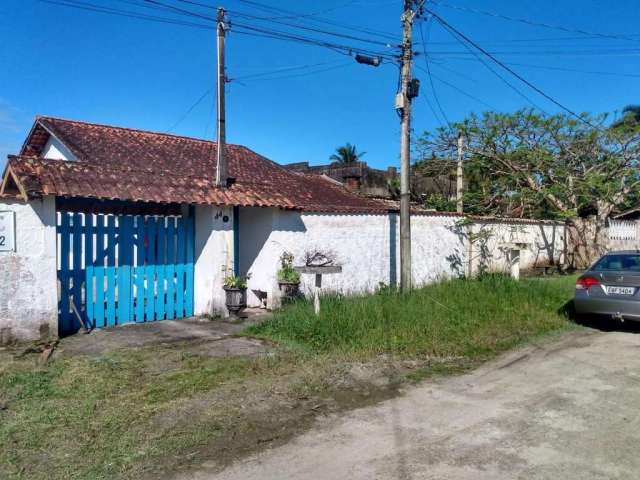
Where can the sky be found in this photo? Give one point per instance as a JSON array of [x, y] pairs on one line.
[[299, 102]]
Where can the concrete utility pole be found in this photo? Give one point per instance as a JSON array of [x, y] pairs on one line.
[[221, 164], [403, 105], [459, 174]]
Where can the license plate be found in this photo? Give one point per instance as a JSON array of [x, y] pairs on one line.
[[621, 290]]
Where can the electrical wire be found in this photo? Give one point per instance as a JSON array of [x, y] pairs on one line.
[[428, 71], [305, 74], [534, 23], [189, 110], [125, 13], [280, 70], [457, 89], [492, 70], [448, 26], [561, 69]]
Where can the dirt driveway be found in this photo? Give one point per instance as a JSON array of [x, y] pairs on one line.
[[567, 410]]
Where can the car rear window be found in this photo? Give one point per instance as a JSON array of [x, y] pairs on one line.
[[618, 262]]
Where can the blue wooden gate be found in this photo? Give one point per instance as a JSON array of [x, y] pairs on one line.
[[117, 269]]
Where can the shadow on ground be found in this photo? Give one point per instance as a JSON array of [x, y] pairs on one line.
[[598, 322]]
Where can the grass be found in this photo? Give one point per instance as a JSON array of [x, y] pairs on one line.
[[143, 411], [458, 318]]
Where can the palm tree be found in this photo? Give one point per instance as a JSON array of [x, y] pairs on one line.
[[630, 117], [347, 154]]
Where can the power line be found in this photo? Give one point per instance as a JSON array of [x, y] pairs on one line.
[[445, 24], [189, 110], [577, 53], [458, 89], [312, 29], [269, 8], [292, 36], [124, 13], [305, 74], [497, 74], [561, 69], [280, 70], [534, 23], [288, 35], [433, 88]]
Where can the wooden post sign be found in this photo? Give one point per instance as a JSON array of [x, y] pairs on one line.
[[7, 232], [318, 272]]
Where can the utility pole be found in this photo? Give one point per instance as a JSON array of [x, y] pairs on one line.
[[459, 177], [403, 105], [221, 163]]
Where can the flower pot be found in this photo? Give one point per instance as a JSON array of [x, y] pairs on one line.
[[236, 300], [289, 291]]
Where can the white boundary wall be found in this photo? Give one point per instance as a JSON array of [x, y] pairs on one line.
[[539, 244], [367, 247], [28, 281]]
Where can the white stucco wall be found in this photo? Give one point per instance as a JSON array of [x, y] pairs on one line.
[[367, 247], [28, 293], [56, 150], [545, 245], [364, 245], [213, 253]]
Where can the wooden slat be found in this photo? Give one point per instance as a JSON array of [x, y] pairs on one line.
[[65, 272], [150, 247], [180, 263], [125, 241], [188, 304], [140, 234], [149, 273], [111, 241], [170, 307], [78, 272], [100, 255], [160, 271], [110, 273], [139, 293], [124, 295], [99, 306], [89, 297]]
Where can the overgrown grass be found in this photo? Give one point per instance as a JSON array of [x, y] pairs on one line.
[[458, 318], [133, 413], [102, 417]]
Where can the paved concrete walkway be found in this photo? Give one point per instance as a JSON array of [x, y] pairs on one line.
[[215, 338], [567, 410]]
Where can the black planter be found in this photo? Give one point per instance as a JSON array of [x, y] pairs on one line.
[[236, 300], [290, 291]]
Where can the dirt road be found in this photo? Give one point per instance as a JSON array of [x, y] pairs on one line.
[[569, 409]]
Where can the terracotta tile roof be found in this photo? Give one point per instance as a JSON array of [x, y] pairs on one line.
[[128, 164]]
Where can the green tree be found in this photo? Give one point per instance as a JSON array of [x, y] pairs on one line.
[[630, 118], [545, 166], [347, 154]]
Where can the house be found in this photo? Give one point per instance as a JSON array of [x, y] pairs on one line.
[[375, 183], [107, 225]]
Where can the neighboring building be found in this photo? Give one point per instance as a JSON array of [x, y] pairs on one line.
[[358, 176], [384, 184], [105, 225]]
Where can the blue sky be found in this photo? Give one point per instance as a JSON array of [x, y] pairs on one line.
[[90, 66]]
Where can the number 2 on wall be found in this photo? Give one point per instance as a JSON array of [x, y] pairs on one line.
[[2, 240]]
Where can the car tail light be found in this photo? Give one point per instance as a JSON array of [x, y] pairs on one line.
[[585, 283]]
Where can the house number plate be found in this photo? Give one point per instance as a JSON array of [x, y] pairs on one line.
[[7, 232]]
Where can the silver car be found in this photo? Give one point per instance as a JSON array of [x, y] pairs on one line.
[[611, 287]]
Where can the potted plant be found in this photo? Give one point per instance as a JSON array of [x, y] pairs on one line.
[[235, 287], [288, 278]]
